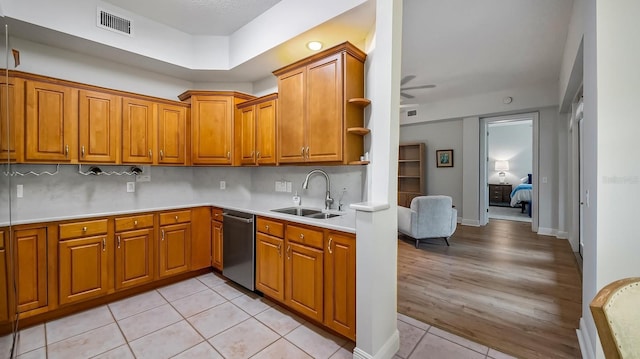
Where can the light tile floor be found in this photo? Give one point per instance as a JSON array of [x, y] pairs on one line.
[[207, 317]]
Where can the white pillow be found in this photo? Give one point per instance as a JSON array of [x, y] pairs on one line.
[[524, 179]]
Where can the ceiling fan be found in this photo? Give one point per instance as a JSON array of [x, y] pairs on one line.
[[407, 79]]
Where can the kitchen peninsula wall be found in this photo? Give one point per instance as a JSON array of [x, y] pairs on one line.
[[69, 193]]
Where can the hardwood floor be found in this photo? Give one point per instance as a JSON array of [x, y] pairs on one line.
[[500, 285]]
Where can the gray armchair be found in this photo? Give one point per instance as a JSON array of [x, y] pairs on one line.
[[428, 217]]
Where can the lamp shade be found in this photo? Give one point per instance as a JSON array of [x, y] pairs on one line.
[[502, 166]]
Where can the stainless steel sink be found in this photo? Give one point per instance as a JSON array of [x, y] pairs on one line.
[[305, 212], [297, 211], [322, 215]]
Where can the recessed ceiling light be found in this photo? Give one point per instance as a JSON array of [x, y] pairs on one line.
[[314, 45]]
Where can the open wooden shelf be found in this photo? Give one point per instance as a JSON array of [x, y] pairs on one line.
[[359, 130], [359, 101]]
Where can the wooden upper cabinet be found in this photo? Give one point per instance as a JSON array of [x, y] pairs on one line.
[[324, 110], [51, 120], [172, 134], [314, 112], [11, 127], [291, 116], [255, 130], [138, 129], [212, 125], [99, 127]]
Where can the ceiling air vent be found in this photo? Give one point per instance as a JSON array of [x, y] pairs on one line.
[[412, 113], [108, 20]]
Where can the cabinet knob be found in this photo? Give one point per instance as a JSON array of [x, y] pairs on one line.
[[84, 229], [266, 227], [135, 222], [176, 218], [301, 236]]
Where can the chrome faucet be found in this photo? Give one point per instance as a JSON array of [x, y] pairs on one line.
[[328, 201]]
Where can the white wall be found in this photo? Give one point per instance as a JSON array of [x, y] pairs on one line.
[[440, 135], [511, 142]]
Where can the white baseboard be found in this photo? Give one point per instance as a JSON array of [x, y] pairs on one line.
[[388, 350], [584, 341], [470, 222], [547, 231], [562, 235]]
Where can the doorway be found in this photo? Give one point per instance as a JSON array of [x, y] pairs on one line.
[[509, 167]]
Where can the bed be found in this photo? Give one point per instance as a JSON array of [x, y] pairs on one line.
[[521, 195]]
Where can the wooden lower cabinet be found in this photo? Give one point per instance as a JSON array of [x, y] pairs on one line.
[[134, 258], [174, 249], [30, 265], [200, 238], [4, 298], [270, 265], [304, 280], [83, 268], [340, 283], [216, 239]]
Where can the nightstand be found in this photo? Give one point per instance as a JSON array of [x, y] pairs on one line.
[[500, 195]]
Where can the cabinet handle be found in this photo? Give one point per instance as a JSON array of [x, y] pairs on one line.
[[301, 236], [258, 155], [329, 246], [150, 154], [307, 152], [266, 227], [162, 232], [82, 151], [104, 244], [135, 222], [252, 152], [302, 152], [161, 154], [279, 252], [118, 242], [288, 251], [84, 229], [66, 151], [228, 155]]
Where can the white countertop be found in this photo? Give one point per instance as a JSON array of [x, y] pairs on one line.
[[346, 222]]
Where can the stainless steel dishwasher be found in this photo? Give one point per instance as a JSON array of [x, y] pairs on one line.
[[238, 248]]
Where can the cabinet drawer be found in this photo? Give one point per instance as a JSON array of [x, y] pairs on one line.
[[216, 214], [82, 229], [134, 222], [175, 217], [309, 237], [270, 227]]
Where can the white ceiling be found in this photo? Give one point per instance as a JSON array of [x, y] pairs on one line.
[[199, 17], [464, 47]]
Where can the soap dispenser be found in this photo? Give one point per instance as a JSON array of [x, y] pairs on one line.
[[296, 199]]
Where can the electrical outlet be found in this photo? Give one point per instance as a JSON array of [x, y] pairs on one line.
[[223, 185], [131, 187], [145, 176], [544, 180], [19, 191]]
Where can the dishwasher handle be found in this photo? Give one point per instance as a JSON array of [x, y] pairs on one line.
[[245, 220]]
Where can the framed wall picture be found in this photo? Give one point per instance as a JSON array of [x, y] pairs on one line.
[[444, 158]]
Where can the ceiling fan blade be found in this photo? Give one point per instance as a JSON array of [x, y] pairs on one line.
[[406, 95], [407, 79], [418, 87]]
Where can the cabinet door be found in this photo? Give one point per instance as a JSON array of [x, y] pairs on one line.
[[138, 128], [4, 294], [291, 117], [324, 110], [175, 249], [51, 120], [200, 238], [340, 284], [266, 133], [304, 280], [216, 244], [172, 131], [212, 136], [270, 266], [83, 268], [134, 258], [31, 267], [247, 138], [11, 100], [98, 126]]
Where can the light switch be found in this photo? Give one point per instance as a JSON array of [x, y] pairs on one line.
[[131, 187], [19, 191], [223, 185]]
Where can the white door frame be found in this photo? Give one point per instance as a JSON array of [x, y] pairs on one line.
[[484, 158]]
